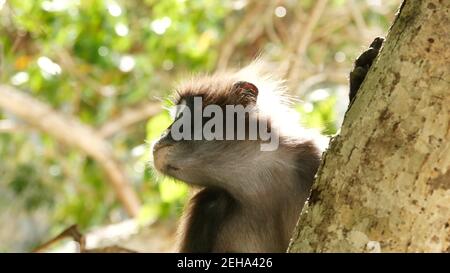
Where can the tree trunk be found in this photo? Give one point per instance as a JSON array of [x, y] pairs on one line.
[[384, 183]]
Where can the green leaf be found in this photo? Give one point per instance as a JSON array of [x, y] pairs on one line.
[[171, 191], [157, 124]]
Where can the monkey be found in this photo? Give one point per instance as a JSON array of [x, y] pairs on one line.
[[245, 199]]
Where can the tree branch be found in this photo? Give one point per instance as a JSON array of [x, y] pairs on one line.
[[73, 133], [129, 117], [303, 41], [254, 10]]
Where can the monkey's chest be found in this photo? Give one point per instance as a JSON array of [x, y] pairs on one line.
[[244, 234]]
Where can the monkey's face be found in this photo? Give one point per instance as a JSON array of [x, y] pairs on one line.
[[188, 153], [203, 162]]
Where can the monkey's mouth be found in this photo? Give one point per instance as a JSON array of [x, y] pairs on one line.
[[171, 168]]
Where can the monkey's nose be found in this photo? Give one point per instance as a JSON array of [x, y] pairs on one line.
[[163, 142]]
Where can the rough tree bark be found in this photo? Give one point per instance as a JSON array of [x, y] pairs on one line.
[[384, 183]]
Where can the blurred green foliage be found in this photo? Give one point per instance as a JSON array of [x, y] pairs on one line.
[[94, 59]]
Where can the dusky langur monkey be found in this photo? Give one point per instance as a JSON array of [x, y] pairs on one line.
[[246, 199]]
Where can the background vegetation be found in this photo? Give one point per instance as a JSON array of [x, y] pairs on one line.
[[110, 64]]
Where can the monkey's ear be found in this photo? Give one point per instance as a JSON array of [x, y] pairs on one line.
[[246, 91]]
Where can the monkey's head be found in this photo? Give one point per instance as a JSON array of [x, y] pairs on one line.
[[193, 156], [187, 151]]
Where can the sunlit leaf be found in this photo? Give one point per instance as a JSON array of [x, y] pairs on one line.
[[171, 190]]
